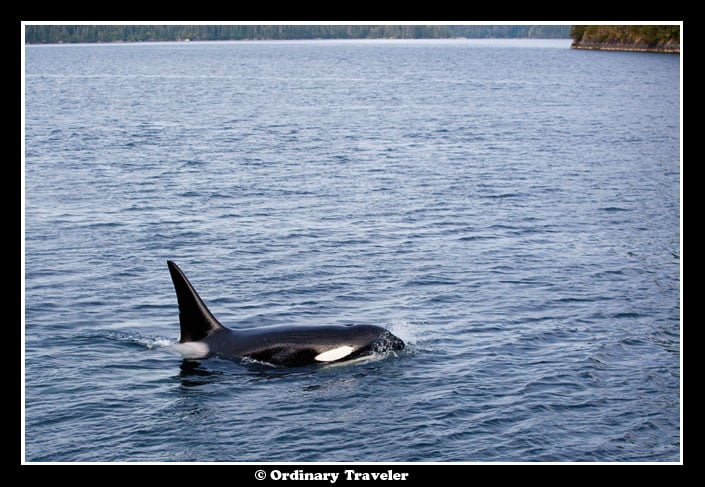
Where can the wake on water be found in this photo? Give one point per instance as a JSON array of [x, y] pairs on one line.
[[408, 330], [130, 339]]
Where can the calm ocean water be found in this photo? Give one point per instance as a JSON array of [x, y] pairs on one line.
[[509, 208]]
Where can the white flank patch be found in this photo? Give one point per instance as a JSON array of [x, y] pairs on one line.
[[334, 354], [192, 349]]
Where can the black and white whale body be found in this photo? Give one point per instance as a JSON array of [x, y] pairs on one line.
[[203, 336]]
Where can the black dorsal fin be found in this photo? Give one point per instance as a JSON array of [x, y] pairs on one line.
[[196, 320]]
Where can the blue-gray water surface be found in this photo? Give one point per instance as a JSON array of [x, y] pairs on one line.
[[508, 208]]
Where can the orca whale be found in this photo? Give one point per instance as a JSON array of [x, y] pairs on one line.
[[203, 336]]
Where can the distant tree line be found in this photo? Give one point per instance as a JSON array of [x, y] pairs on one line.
[[643, 35], [50, 34], [510, 31]]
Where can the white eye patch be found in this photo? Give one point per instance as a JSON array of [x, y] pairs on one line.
[[334, 354]]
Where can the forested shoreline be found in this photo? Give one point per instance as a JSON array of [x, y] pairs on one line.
[[55, 34], [649, 38]]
